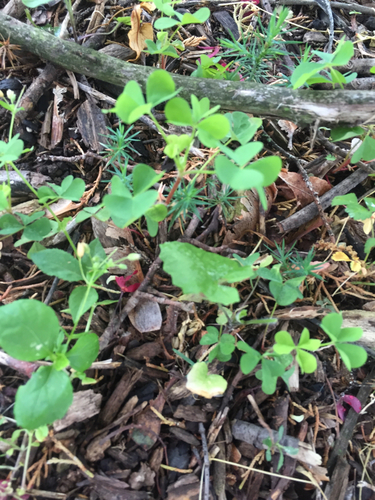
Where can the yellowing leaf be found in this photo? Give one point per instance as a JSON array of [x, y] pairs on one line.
[[340, 256], [355, 266], [367, 225], [139, 32], [207, 386]]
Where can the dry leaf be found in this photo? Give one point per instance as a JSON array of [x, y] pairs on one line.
[[139, 32], [296, 187], [149, 6]]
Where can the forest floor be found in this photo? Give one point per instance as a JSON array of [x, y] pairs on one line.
[[138, 432]]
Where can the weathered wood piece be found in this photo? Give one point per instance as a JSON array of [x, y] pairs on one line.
[[300, 106]]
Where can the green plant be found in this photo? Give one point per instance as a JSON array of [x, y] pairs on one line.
[[185, 201], [225, 344], [210, 68], [253, 53], [309, 73], [360, 213], [165, 45], [276, 446], [293, 264], [119, 146]]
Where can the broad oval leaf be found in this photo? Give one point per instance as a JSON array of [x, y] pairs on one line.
[[84, 352], [29, 329], [353, 356], [81, 300], [46, 397], [201, 273], [55, 262]]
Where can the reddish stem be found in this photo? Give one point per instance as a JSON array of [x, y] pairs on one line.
[[173, 190]]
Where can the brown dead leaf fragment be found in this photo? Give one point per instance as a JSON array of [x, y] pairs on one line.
[[295, 187], [139, 33]]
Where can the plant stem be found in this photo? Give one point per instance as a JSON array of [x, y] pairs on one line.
[[173, 190]]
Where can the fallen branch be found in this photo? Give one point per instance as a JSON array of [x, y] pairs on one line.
[[303, 107]]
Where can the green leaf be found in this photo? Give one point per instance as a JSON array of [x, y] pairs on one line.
[[131, 105], [366, 151], [343, 133], [124, 210], [305, 71], [144, 177], [346, 199], [243, 154], [250, 359], [9, 224], [199, 17], [10, 151], [369, 245], [164, 23], [160, 87], [37, 231], [60, 362], [84, 352], [33, 4], [284, 343], [306, 361], [271, 370], [81, 300], [235, 177], [55, 262], [306, 343], [353, 356], [178, 112], [176, 144], [273, 274], [49, 393], [205, 385], [286, 293], [227, 343], [242, 127], [216, 125], [199, 272], [72, 189], [211, 337], [157, 213], [29, 329], [343, 53]]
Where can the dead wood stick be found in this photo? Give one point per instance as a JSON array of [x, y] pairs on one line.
[[347, 430], [300, 106], [311, 211]]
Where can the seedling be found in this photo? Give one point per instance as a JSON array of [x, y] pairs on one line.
[[273, 447], [310, 73], [225, 344]]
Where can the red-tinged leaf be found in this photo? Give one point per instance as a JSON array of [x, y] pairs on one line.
[[132, 288], [341, 411], [353, 402], [122, 280]]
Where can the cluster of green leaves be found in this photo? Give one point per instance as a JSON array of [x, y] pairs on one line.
[[235, 167], [209, 67], [253, 53], [165, 45], [277, 361], [309, 73]]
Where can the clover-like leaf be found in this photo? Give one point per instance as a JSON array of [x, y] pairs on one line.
[[211, 337], [250, 359], [205, 385], [352, 355]]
